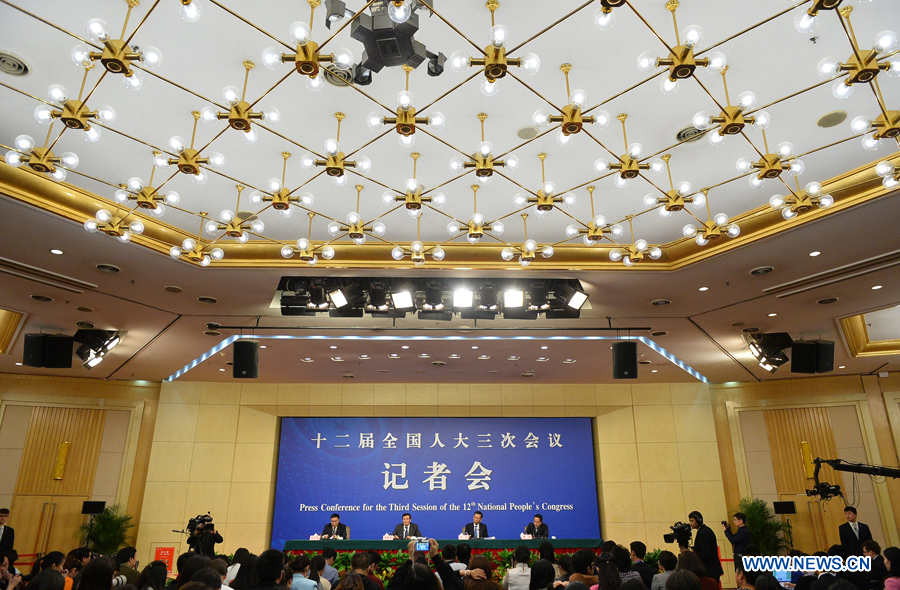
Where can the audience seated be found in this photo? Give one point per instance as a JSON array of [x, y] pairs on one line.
[[638, 551], [667, 564], [547, 552], [622, 559], [375, 565], [607, 576], [300, 567], [518, 576], [564, 567], [892, 563], [688, 560], [583, 568], [153, 576], [542, 575], [682, 579], [240, 556], [479, 562], [98, 574], [246, 579], [317, 573], [269, 569]]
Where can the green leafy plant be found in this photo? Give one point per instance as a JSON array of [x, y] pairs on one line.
[[652, 558], [342, 561], [767, 531], [108, 532]]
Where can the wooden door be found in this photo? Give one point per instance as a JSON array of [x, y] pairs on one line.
[[30, 517], [65, 517]]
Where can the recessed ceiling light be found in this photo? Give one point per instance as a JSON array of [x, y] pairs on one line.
[[453, 356], [382, 370], [513, 358], [738, 324], [108, 268], [816, 253], [263, 346], [337, 359], [492, 371], [474, 348], [543, 359], [762, 270], [659, 333], [544, 347], [393, 355], [223, 370], [364, 357], [424, 356], [20, 364], [659, 302], [404, 347], [772, 315], [173, 289], [84, 309], [827, 301], [332, 346], [704, 289], [306, 360], [653, 371], [207, 300], [56, 251], [841, 367], [483, 357], [568, 361], [876, 287]]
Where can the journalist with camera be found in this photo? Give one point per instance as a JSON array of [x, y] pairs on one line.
[[741, 537], [704, 546], [203, 536]]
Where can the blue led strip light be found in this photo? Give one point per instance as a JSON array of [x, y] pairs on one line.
[[650, 343]]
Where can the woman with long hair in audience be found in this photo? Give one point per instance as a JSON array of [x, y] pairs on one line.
[[892, 565], [546, 551], [48, 579], [246, 577], [518, 576], [98, 574], [608, 577], [317, 572], [690, 561], [542, 575], [193, 565], [240, 556], [53, 560], [153, 576], [480, 562], [350, 581], [682, 579]]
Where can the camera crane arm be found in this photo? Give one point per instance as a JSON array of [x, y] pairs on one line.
[[826, 490]]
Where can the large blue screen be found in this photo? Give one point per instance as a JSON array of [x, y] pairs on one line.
[[372, 470]]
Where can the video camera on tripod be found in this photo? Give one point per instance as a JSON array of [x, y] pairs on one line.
[[201, 522]]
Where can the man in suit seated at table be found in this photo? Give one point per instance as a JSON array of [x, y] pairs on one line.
[[537, 529], [476, 529], [335, 530], [407, 528]]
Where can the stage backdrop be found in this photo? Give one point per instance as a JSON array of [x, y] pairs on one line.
[[372, 470]]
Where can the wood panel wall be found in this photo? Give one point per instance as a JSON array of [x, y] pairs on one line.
[[786, 429]]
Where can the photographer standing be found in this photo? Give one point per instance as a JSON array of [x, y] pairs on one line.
[[204, 540], [741, 536], [705, 546]]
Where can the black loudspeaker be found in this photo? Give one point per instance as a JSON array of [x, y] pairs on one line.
[[246, 359], [51, 351], [784, 507], [93, 507], [625, 365], [812, 356]]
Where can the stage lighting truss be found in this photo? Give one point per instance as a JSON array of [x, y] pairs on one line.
[[74, 114], [634, 253], [731, 119], [240, 112], [117, 55], [676, 197], [770, 165], [476, 227], [594, 230], [406, 120], [494, 61], [236, 225], [115, 225], [545, 199], [356, 228], [571, 119], [681, 61], [279, 197], [483, 159], [527, 251], [306, 249], [417, 250], [335, 161], [196, 250], [863, 65], [713, 228], [189, 159], [144, 195], [629, 164], [413, 197], [801, 201]]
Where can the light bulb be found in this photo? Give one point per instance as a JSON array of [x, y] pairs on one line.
[[397, 253], [353, 218], [339, 180], [511, 162], [530, 245], [692, 37], [615, 255], [327, 252], [478, 219], [160, 162], [459, 61], [689, 230], [97, 30], [91, 134], [893, 70], [647, 62], [315, 83], [342, 58], [24, 143], [217, 254], [417, 247], [378, 228], [81, 55], [539, 213], [122, 196], [717, 62], [621, 182], [453, 228], [216, 160], [884, 169], [885, 42], [541, 118], [761, 120], [548, 188], [489, 88], [669, 86], [744, 165], [57, 94], [308, 162], [375, 121], [529, 64], [414, 213], [657, 165], [787, 213], [176, 144], [438, 253], [485, 149], [870, 143], [136, 227], [813, 189], [399, 11], [572, 231], [520, 200], [890, 182], [860, 124], [755, 181], [306, 199], [271, 115], [43, 114], [188, 245], [564, 140], [602, 119], [250, 136], [69, 160], [636, 151], [701, 241], [125, 237], [286, 213], [702, 120], [650, 200], [828, 67], [103, 216], [664, 213], [91, 226], [473, 239], [683, 188], [272, 58], [106, 114], [720, 219], [412, 185], [604, 20], [404, 100], [616, 231], [151, 57], [747, 101], [190, 12], [438, 200], [273, 186], [805, 22], [796, 168], [655, 253], [457, 165], [204, 262], [776, 201], [212, 227], [172, 198], [300, 33], [363, 164], [287, 251], [841, 90], [785, 150], [334, 228], [158, 211], [134, 81], [436, 121], [716, 140], [135, 184], [578, 99], [568, 200], [499, 36], [388, 198], [406, 141], [641, 245], [733, 230], [588, 241], [497, 228], [332, 147], [698, 201], [226, 216]]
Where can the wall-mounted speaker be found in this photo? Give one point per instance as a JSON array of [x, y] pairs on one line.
[[812, 356], [51, 351], [246, 359], [625, 364]]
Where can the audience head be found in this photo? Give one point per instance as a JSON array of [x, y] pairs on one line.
[[72, 566], [209, 577], [194, 586], [638, 550], [420, 577], [220, 564], [463, 553], [633, 584], [375, 559], [241, 555], [608, 575], [839, 551], [195, 563], [577, 586], [622, 557], [608, 546], [583, 562], [246, 577], [349, 581], [871, 548], [269, 566], [300, 565], [47, 579], [565, 563], [546, 551], [483, 563], [766, 581], [690, 561], [696, 519], [892, 561], [542, 575], [98, 574], [53, 560], [522, 555], [182, 559], [125, 555], [359, 562], [667, 560], [850, 513], [449, 552], [153, 576], [329, 554], [317, 565], [682, 579]]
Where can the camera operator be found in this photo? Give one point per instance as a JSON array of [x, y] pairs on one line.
[[741, 536], [204, 539], [705, 546]]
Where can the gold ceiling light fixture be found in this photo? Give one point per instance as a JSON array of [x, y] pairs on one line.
[[413, 197], [41, 159], [306, 250], [863, 65], [308, 56], [801, 201], [495, 62], [546, 198], [483, 159], [571, 120], [629, 165], [189, 159], [417, 249], [889, 174], [676, 197], [770, 165], [604, 17], [636, 251], [195, 249], [527, 250], [806, 22], [74, 114], [731, 120], [117, 55], [115, 225], [279, 196], [236, 225], [716, 225], [335, 162], [144, 195], [477, 226], [681, 61], [190, 10], [356, 228], [885, 126], [240, 112], [406, 119], [594, 230]]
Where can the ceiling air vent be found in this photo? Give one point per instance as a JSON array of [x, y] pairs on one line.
[[13, 64], [659, 302], [337, 77], [762, 270], [85, 325], [208, 300], [688, 134], [438, 363]]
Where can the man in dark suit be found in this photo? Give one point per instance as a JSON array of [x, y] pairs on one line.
[[476, 529], [872, 550], [705, 546], [407, 528], [741, 536], [538, 529], [7, 536], [853, 534], [335, 530], [638, 551]]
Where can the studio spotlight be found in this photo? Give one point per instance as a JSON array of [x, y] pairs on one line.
[[463, 299], [768, 349], [335, 10], [513, 298], [573, 298], [434, 299], [317, 298], [539, 298], [487, 299], [377, 299], [436, 63], [403, 299]]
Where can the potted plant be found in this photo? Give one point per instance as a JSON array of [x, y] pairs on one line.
[[767, 532], [106, 532]]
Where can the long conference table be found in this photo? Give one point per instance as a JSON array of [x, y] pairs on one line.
[[400, 545]]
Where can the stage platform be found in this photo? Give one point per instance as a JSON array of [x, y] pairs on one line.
[[398, 545]]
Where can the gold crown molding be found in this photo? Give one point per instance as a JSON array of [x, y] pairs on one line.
[[850, 189], [857, 336]]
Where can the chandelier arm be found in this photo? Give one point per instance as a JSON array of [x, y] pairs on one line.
[[164, 79], [469, 171], [724, 182], [653, 184], [675, 145], [876, 90], [433, 102], [289, 140], [436, 210], [37, 98], [526, 142], [370, 142], [133, 138], [253, 104], [572, 217], [157, 189], [541, 96], [751, 27], [849, 32], [813, 87], [341, 28], [95, 179], [449, 24], [600, 143], [266, 33], [355, 87], [744, 135], [127, 215], [607, 175], [380, 239], [388, 212], [315, 176], [492, 236], [700, 221], [652, 30], [516, 183], [217, 136], [706, 90], [516, 212], [629, 89], [50, 147], [789, 186], [373, 180], [140, 24], [48, 23], [430, 134], [541, 32], [832, 144], [246, 184]]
